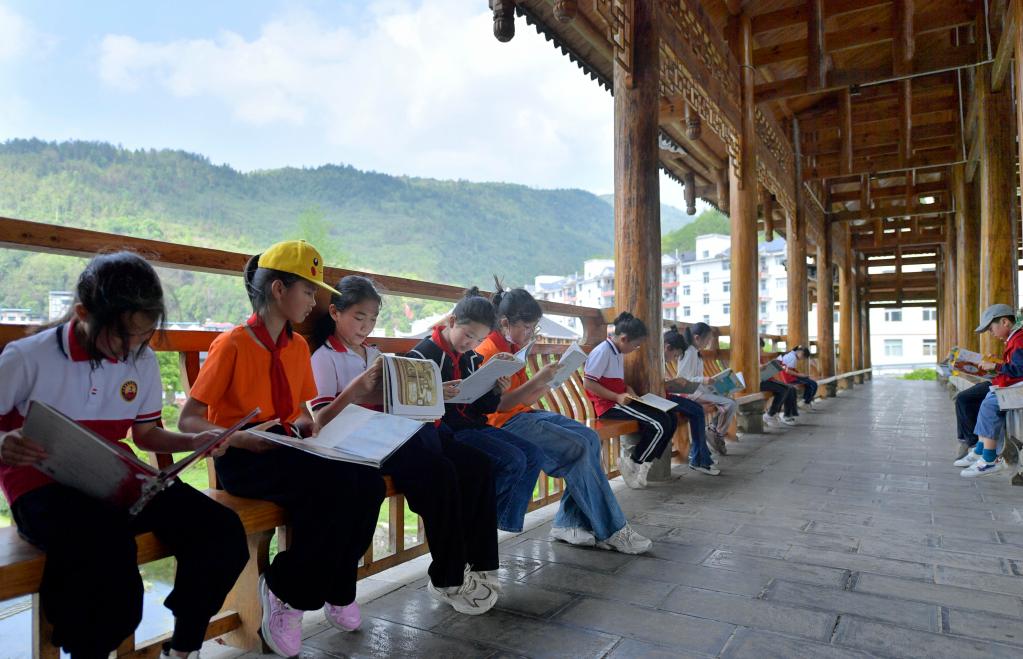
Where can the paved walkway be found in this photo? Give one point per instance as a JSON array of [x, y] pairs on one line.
[[850, 535]]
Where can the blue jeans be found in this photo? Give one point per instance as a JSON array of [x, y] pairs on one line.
[[810, 387], [699, 454], [572, 451], [990, 419], [516, 468]]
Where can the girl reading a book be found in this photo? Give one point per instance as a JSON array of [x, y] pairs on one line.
[[792, 376], [95, 366], [332, 506], [516, 461], [604, 379], [684, 347], [589, 514], [450, 485], [783, 395]]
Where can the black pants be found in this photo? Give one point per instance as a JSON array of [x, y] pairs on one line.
[[332, 513], [656, 429], [967, 406], [809, 387], [451, 486], [783, 395], [91, 589]]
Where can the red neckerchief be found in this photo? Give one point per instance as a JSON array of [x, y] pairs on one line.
[[502, 344], [438, 338], [280, 389]]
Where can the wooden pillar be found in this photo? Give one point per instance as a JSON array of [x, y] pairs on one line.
[[745, 345], [825, 309], [998, 208], [854, 318], [795, 247], [637, 202], [864, 318], [846, 286], [1017, 10], [967, 274], [951, 264]]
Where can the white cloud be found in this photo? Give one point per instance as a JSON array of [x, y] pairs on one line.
[[424, 90], [19, 38]]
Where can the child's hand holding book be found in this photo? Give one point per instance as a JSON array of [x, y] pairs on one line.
[[16, 450]]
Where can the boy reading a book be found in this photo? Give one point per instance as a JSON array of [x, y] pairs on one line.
[[1000, 320]]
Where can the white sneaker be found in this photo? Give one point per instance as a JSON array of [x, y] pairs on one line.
[[573, 536], [644, 471], [487, 578], [626, 541], [712, 470], [789, 420], [967, 459], [472, 598], [982, 468], [771, 420], [166, 652], [630, 472]]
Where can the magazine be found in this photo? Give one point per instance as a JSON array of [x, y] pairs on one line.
[[358, 435], [412, 388], [80, 458], [654, 401], [483, 380], [570, 362]]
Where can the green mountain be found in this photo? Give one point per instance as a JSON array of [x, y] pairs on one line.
[[445, 231], [672, 218]]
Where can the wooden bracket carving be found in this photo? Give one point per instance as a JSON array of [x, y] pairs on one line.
[[504, 19], [565, 10], [618, 16]]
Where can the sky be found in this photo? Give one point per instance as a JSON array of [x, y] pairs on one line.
[[404, 87]]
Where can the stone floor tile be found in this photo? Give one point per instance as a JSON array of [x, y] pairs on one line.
[[757, 644], [532, 638], [627, 588], [920, 591], [730, 560], [894, 641], [726, 581], [381, 638], [559, 552], [985, 626], [900, 612]]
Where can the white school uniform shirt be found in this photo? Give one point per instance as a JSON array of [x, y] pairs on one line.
[[789, 359], [335, 366], [53, 368], [690, 365]]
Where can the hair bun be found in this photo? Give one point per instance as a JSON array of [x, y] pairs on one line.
[[473, 292], [623, 316]]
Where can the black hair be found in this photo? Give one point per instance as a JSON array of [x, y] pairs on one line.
[[111, 287], [353, 289], [516, 305], [802, 349], [474, 308], [258, 282], [687, 337], [630, 326]]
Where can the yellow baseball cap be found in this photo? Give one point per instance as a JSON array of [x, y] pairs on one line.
[[296, 257]]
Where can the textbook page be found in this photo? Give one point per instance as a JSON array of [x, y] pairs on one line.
[[412, 388], [358, 435], [655, 401], [769, 370], [523, 354], [79, 458], [484, 379], [570, 362], [683, 386], [726, 382], [968, 356]]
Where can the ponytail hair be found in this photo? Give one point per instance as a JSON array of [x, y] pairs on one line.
[[515, 305], [353, 289], [474, 308], [259, 282], [681, 340], [628, 325]]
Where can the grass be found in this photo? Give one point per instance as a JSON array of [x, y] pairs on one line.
[[920, 374]]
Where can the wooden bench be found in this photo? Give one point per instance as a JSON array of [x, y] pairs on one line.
[[21, 564]]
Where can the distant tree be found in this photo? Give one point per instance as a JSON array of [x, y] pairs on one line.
[[684, 239]]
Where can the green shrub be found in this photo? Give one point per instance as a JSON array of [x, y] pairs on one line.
[[921, 374]]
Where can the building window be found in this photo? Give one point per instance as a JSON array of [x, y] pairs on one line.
[[893, 316], [763, 263], [930, 314], [781, 282], [706, 254], [686, 290], [780, 260], [930, 346], [726, 286], [706, 278], [706, 298], [781, 306], [670, 314], [686, 312], [726, 308], [706, 319], [726, 265], [763, 307], [763, 285], [836, 317], [893, 347], [685, 269]]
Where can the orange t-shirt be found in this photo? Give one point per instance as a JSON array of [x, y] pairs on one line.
[[493, 344], [236, 377]]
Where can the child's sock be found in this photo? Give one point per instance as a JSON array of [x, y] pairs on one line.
[[988, 455], [978, 448]]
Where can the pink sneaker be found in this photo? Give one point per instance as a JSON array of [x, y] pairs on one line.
[[282, 625], [347, 618]]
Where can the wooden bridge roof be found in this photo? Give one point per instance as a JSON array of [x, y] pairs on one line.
[[881, 91]]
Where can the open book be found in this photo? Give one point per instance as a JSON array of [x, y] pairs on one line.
[[523, 353], [967, 362], [412, 388], [79, 458], [770, 369], [358, 434], [654, 401], [484, 379], [569, 363], [726, 382]]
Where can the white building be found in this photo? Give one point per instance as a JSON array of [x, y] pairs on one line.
[[696, 286]]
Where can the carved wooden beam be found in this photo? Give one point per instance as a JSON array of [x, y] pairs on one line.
[[905, 121], [917, 210], [816, 62], [904, 42], [689, 191], [846, 127], [1005, 47], [767, 206], [565, 10]]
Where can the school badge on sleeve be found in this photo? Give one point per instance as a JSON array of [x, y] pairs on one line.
[[129, 390]]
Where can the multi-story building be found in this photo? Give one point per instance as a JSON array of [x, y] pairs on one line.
[[696, 286]]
